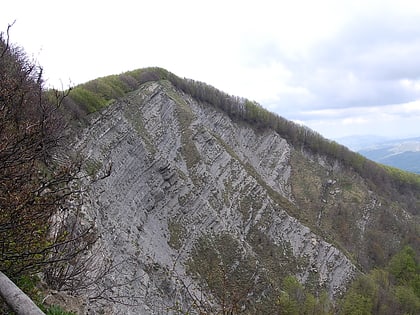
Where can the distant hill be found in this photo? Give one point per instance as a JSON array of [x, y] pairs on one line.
[[403, 154], [357, 142]]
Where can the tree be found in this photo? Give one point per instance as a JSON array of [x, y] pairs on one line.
[[403, 265], [36, 179], [357, 304], [408, 300]]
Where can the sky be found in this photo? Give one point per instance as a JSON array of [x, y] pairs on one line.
[[340, 67]]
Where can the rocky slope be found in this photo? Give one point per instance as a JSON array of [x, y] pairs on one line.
[[199, 207]]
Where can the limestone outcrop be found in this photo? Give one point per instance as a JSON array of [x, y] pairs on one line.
[[184, 174]]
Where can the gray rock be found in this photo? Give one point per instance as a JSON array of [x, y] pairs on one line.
[[181, 170]]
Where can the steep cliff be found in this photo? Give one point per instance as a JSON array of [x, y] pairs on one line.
[[201, 210]]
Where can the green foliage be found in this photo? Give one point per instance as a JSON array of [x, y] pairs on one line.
[[256, 113], [403, 266], [357, 304], [56, 310], [88, 100], [295, 299], [405, 182], [29, 284], [393, 290], [110, 87], [287, 304], [94, 95], [409, 301]]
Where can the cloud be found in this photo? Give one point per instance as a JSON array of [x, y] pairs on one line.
[[371, 59], [340, 63], [396, 120], [410, 109]]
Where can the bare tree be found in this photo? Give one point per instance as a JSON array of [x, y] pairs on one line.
[[37, 188]]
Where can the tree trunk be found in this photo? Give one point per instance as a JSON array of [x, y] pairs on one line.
[[16, 299]]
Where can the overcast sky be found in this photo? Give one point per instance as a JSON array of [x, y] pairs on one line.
[[340, 67]]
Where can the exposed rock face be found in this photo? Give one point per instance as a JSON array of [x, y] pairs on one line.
[[184, 173]]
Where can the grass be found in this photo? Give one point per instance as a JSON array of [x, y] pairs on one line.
[[29, 284], [57, 310]]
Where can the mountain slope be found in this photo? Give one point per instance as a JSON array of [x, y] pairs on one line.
[[205, 205]]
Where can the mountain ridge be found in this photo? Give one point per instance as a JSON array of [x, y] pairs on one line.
[[169, 178], [145, 193], [195, 179], [99, 93]]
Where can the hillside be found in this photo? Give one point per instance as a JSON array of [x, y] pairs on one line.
[[212, 202]]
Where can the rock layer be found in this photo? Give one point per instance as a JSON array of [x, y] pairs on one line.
[[183, 172]]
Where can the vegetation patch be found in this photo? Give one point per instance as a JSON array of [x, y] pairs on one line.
[[177, 234], [246, 206], [185, 118], [137, 121], [227, 148], [394, 289], [88, 100], [31, 286], [296, 299], [56, 310], [251, 201], [277, 260], [273, 194], [92, 167], [326, 204], [242, 284], [225, 270]]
